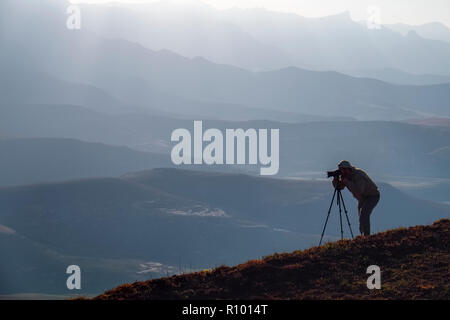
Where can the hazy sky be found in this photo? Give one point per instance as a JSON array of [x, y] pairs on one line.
[[391, 11]]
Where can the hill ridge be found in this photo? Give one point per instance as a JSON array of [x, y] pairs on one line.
[[414, 264]]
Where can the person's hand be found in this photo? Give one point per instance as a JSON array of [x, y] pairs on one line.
[[337, 183]]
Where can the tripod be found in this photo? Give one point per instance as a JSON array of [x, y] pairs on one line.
[[339, 200]]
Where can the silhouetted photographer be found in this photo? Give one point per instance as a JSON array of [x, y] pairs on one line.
[[362, 188]]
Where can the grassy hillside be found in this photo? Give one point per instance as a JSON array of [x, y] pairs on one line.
[[180, 218], [414, 264]]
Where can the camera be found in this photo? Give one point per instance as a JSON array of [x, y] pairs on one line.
[[336, 173]]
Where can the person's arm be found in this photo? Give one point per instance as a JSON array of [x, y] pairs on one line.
[[356, 185]]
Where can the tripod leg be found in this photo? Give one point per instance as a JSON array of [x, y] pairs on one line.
[[328, 215], [346, 215], [340, 213]]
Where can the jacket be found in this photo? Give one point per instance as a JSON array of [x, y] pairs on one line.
[[359, 184]]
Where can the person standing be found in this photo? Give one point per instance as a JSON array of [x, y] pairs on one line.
[[363, 189]]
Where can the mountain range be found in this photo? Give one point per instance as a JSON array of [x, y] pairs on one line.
[[431, 30], [381, 147], [245, 38], [86, 118], [144, 78], [168, 220]]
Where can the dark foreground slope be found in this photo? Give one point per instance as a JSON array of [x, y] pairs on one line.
[[414, 263]]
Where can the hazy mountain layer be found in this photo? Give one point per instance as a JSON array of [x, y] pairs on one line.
[[139, 76], [383, 148], [37, 160]]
